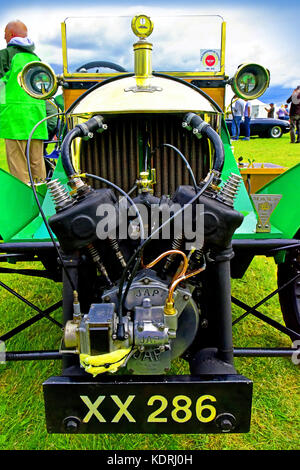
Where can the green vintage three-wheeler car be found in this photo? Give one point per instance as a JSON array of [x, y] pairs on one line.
[[144, 220]]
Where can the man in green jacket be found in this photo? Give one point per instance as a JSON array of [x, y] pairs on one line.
[[19, 112]]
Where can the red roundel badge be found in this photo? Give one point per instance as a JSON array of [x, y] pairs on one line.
[[210, 60]]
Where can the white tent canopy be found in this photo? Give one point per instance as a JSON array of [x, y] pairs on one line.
[[258, 109]]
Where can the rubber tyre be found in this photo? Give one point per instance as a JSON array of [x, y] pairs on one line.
[[275, 132], [289, 297]]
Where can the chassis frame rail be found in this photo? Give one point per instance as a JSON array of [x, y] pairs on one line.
[[258, 247], [44, 355]]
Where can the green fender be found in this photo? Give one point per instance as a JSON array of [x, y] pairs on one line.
[[17, 205]]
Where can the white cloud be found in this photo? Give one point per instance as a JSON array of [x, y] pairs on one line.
[[251, 36]]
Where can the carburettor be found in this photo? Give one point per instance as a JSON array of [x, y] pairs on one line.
[[153, 337]]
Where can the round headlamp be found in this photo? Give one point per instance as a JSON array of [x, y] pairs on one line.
[[250, 81], [38, 80]]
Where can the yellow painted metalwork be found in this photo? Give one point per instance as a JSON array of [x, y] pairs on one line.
[[64, 49], [142, 26], [119, 97], [217, 94], [223, 47], [85, 76], [143, 70], [256, 176], [185, 75], [142, 62]]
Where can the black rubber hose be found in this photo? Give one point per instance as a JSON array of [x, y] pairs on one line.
[[196, 122], [66, 150], [81, 130]]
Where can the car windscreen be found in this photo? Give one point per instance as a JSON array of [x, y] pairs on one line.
[[180, 43]]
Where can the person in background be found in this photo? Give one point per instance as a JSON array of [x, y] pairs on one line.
[[19, 112], [238, 110], [247, 119], [287, 115], [282, 112], [294, 99], [270, 110]]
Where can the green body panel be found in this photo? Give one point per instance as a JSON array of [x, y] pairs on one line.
[[17, 205], [243, 202], [286, 216], [36, 229]]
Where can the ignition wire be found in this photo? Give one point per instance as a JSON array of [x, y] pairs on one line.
[[184, 160]]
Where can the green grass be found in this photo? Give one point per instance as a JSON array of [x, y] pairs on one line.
[[278, 151], [276, 404]]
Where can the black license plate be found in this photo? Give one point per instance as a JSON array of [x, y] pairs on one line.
[[144, 404]]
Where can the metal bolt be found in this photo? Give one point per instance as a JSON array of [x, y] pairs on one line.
[[186, 297], [114, 336], [146, 281], [71, 424], [226, 422], [107, 298], [226, 425], [204, 323], [146, 302], [140, 327]]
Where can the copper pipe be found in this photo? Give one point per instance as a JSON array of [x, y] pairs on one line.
[[180, 279], [180, 276], [167, 253]]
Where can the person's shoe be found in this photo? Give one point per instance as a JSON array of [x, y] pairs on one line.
[[246, 138]]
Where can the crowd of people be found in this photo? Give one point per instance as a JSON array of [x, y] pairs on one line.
[[241, 110]]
